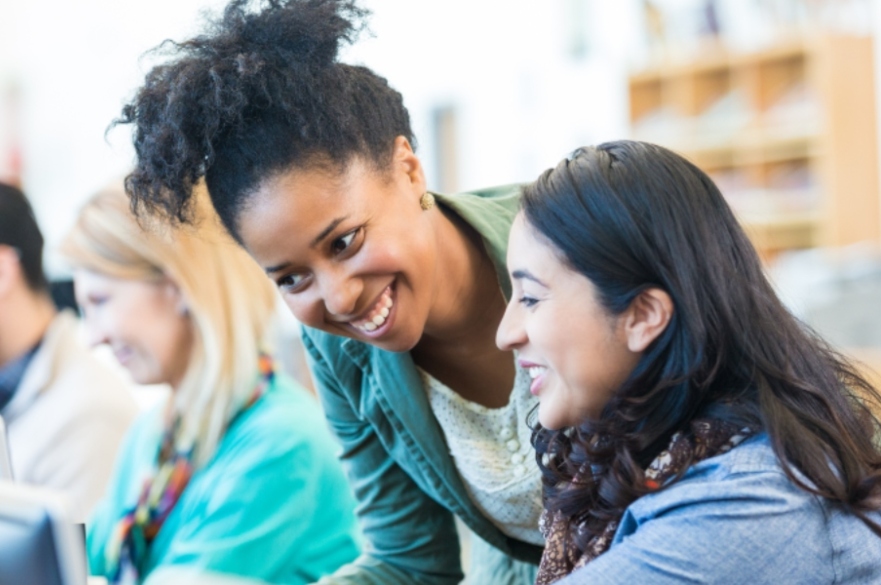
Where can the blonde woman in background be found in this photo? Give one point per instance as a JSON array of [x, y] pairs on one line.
[[236, 473]]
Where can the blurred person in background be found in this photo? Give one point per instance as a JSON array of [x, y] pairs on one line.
[[236, 472], [691, 430], [65, 411], [310, 165]]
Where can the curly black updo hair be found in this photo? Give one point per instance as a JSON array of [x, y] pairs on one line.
[[260, 92]]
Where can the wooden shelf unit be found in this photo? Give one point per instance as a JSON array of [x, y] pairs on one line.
[[788, 134]]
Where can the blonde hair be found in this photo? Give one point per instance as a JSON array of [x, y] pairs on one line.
[[230, 302]]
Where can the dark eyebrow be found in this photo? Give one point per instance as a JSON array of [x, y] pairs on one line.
[[521, 274], [326, 231], [279, 268]]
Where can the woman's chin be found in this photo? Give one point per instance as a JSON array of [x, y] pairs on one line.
[[548, 422], [397, 345], [142, 378], [399, 339], [558, 419]]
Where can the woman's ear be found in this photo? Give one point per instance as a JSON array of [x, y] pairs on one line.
[[646, 318], [409, 165], [174, 295]]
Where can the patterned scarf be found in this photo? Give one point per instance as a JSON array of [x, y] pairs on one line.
[[709, 437], [127, 550]]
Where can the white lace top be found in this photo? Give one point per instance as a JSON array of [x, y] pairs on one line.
[[491, 450]]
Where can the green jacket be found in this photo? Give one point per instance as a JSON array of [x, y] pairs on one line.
[[404, 478]]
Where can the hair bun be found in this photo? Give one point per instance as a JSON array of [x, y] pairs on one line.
[[260, 90], [289, 33]]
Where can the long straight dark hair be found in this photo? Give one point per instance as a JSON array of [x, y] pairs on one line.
[[630, 216]]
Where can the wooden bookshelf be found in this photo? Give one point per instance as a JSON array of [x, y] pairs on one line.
[[788, 134]]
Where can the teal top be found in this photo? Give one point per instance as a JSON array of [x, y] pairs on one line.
[[405, 480], [272, 504]]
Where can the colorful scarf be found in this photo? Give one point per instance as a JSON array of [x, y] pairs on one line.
[[129, 544], [708, 438]]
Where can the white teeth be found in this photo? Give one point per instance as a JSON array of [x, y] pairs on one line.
[[535, 371], [379, 314]]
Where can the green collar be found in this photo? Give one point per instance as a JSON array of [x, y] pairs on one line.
[[490, 212]]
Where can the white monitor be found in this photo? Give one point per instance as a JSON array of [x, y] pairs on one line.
[[5, 461], [39, 545]]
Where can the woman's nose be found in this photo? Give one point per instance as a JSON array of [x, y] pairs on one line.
[[95, 334], [511, 333], [341, 293]]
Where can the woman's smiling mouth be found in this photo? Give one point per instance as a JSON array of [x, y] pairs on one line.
[[536, 374], [377, 317]]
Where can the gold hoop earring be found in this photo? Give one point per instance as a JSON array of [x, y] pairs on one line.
[[426, 202]]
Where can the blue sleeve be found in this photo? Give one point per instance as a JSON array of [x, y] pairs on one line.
[[411, 539], [117, 496], [751, 528], [268, 511]]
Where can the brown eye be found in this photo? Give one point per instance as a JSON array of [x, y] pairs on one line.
[[290, 282], [527, 301], [342, 243]]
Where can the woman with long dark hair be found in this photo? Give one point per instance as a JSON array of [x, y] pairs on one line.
[[690, 429], [310, 164]]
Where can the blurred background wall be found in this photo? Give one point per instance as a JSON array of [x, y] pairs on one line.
[[520, 84], [775, 98]]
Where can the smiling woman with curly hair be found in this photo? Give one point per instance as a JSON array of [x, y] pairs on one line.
[[310, 163]]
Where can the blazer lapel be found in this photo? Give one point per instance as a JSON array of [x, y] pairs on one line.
[[403, 417]]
